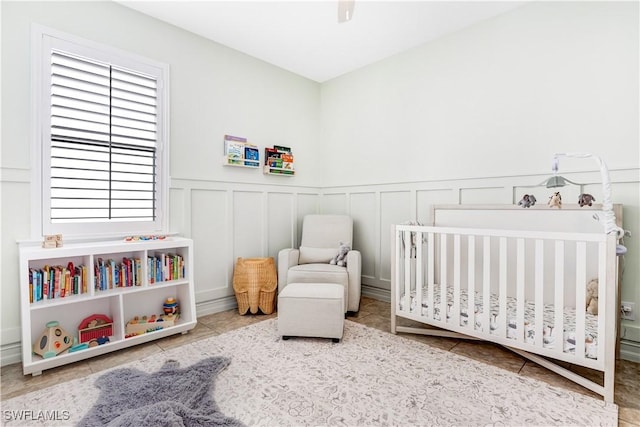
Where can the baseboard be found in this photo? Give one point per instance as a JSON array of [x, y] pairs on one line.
[[216, 306], [10, 354], [375, 293], [630, 350]]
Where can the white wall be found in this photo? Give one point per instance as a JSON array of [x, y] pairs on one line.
[[495, 99], [476, 116], [228, 211]]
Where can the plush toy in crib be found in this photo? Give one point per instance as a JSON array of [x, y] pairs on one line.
[[341, 258], [592, 297], [586, 199], [555, 201], [527, 201]]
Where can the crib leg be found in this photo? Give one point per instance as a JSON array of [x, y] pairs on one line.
[[393, 322], [609, 381]]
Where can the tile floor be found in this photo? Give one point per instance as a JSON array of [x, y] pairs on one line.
[[373, 313]]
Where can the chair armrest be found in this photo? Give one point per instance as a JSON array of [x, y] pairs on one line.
[[287, 258], [354, 270]]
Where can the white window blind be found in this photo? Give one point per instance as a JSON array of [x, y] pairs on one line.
[[104, 138]]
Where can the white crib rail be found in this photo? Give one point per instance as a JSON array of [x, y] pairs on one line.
[[437, 267]]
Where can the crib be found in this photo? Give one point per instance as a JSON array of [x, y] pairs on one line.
[[520, 283]]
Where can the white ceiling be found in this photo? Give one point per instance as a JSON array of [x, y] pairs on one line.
[[305, 37]]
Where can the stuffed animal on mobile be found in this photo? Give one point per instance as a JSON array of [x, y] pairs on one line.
[[527, 201], [555, 201], [586, 199]]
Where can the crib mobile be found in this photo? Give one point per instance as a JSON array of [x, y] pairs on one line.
[[609, 219]]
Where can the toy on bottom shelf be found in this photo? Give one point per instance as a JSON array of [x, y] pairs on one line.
[[53, 341], [140, 325], [95, 327], [170, 306]]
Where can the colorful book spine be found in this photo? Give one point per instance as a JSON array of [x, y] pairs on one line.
[[52, 282]]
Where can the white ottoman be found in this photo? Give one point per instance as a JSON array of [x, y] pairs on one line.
[[311, 310]]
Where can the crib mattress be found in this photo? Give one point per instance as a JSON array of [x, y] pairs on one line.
[[549, 339]]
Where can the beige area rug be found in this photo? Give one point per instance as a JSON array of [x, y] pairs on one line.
[[370, 378]]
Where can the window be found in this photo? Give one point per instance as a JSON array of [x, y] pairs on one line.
[[102, 140]]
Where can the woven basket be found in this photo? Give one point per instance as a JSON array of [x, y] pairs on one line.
[[255, 284]]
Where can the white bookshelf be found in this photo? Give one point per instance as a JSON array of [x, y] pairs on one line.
[[121, 304]]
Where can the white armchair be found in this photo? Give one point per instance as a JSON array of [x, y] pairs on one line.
[[321, 237]]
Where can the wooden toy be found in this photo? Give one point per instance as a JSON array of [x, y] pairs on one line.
[[170, 306], [52, 241], [94, 327], [140, 325], [53, 341], [78, 347], [98, 341], [143, 238]]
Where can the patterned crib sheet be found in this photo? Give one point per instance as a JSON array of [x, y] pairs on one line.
[[549, 334]]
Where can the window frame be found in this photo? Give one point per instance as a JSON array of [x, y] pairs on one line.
[[42, 41]]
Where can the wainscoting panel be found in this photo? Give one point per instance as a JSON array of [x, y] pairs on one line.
[[227, 220], [363, 210], [177, 208], [482, 195], [211, 243], [395, 208], [427, 198], [334, 203], [306, 204], [248, 224], [280, 225]]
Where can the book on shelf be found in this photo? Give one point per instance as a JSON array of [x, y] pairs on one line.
[[279, 160], [164, 267], [287, 161], [234, 149], [282, 149], [110, 274], [270, 154], [251, 155], [54, 282]]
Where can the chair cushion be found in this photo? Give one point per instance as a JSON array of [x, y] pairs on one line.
[[318, 273], [316, 255], [312, 291], [326, 231]]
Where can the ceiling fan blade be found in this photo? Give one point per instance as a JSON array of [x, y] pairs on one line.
[[345, 10]]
